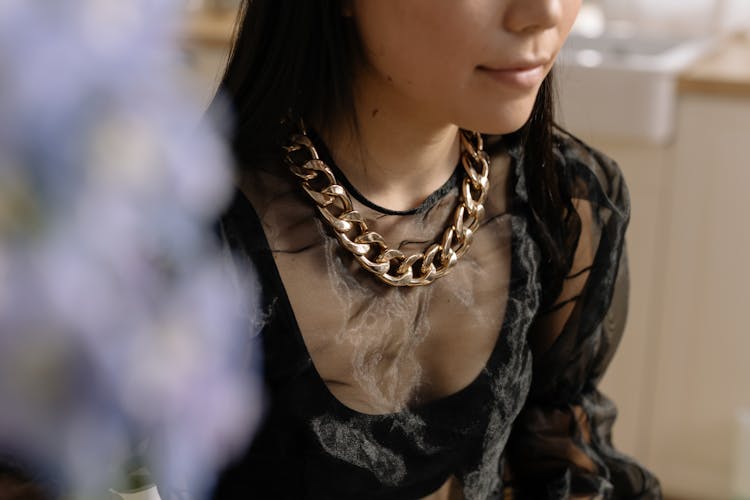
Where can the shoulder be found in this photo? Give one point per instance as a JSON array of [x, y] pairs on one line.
[[592, 174]]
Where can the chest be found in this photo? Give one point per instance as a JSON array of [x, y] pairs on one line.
[[380, 348]]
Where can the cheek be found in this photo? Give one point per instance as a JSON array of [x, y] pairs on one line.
[[415, 43], [498, 115], [410, 53], [570, 13]]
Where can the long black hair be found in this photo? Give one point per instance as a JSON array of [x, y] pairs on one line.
[[300, 55]]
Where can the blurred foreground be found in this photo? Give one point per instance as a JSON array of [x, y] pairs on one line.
[[126, 340]]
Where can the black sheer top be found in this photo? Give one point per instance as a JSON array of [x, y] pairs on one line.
[[377, 392]]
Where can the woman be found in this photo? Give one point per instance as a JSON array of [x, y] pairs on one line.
[[436, 257]]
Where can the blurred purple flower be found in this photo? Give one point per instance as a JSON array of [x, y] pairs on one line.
[[119, 319]]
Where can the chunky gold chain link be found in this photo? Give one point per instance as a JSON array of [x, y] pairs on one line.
[[391, 265]]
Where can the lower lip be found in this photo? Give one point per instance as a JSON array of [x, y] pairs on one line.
[[526, 78]]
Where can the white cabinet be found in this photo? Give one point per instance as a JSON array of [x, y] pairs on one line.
[[682, 374], [703, 371]]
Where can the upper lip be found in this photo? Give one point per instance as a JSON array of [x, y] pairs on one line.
[[521, 65]]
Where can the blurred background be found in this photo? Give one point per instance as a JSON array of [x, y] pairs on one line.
[[664, 88]]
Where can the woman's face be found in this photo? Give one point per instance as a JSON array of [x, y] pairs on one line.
[[476, 63]]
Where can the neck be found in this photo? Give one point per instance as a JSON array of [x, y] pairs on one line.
[[396, 156]]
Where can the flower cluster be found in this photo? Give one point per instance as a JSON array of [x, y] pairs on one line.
[[123, 328]]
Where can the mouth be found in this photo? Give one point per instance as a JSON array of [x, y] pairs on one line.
[[523, 75]]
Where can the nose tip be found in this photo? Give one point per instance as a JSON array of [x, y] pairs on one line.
[[526, 16]]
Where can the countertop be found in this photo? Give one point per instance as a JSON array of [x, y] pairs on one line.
[[724, 72]]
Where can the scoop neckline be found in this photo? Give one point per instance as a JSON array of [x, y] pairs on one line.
[[285, 304]]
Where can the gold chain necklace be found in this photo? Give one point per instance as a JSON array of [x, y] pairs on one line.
[[368, 247]]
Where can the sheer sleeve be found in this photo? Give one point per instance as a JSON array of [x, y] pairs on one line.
[[560, 445]]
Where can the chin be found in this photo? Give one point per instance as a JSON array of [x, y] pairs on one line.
[[505, 118], [505, 123]]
